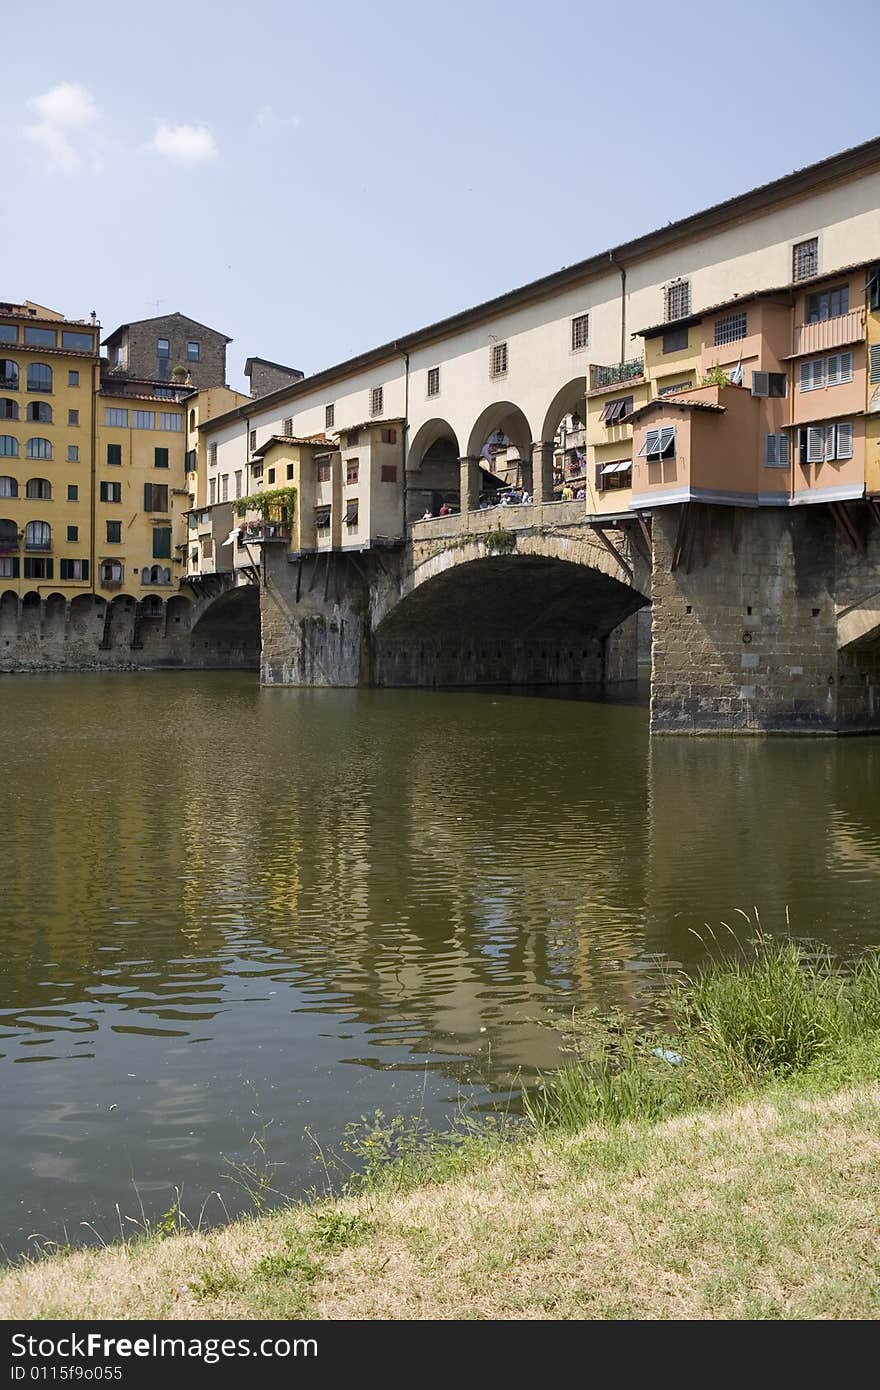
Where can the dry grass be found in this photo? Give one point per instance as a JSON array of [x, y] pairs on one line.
[[765, 1209]]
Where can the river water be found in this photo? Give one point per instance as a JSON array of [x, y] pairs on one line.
[[234, 919]]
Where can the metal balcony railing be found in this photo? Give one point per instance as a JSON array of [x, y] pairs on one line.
[[622, 371]]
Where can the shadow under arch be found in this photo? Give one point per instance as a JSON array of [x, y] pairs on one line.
[[518, 619], [570, 399], [227, 632], [507, 418], [433, 473]]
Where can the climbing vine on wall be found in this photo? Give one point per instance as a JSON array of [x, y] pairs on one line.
[[275, 504]]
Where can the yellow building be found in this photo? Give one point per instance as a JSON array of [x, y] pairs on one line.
[[614, 392], [200, 541], [48, 377]]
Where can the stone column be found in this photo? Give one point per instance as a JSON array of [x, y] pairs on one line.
[[542, 472], [470, 484]]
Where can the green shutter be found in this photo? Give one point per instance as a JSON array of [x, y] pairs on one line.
[[148, 497], [114, 455], [160, 458], [161, 542], [49, 568], [85, 569], [73, 533], [16, 564]]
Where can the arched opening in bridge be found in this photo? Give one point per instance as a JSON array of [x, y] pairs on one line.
[[565, 428], [227, 633], [511, 619], [433, 473], [501, 440]]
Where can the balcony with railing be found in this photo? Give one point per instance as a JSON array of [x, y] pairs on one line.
[[828, 333], [263, 533], [610, 376]]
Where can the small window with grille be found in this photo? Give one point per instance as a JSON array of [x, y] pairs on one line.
[[730, 328], [433, 381], [498, 359], [580, 332], [677, 300], [377, 400], [805, 259], [329, 416]]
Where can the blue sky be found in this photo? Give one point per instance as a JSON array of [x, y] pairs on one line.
[[316, 179]]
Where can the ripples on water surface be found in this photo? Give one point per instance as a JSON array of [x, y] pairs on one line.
[[226, 906]]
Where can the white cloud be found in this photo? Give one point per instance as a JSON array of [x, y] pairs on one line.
[[65, 111], [185, 144]]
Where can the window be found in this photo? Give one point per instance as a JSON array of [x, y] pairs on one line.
[[8, 486], [329, 416], [39, 377], [37, 569], [580, 332], [614, 411], [8, 408], [805, 259], [112, 574], [212, 455], [252, 440], [290, 470], [8, 373], [208, 548], [74, 569], [8, 535], [73, 378], [352, 439], [224, 487], [238, 478], [114, 455], [117, 419], [823, 443], [324, 471], [170, 420], [160, 458], [73, 417], [9, 567], [433, 381], [193, 352], [659, 444], [389, 472], [156, 497], [39, 487], [377, 400], [677, 300], [498, 359], [77, 342], [874, 364], [114, 532], [612, 476], [40, 337], [811, 375], [38, 536], [8, 446], [769, 384], [111, 492], [143, 419], [73, 453], [287, 427], [825, 371], [730, 329], [39, 410], [352, 468], [72, 492], [212, 491], [776, 451], [388, 436], [322, 518], [270, 475], [163, 347], [351, 513], [8, 333], [675, 341], [673, 387], [191, 461], [827, 304], [38, 448], [161, 542], [872, 289]]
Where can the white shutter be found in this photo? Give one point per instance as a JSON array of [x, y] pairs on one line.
[[812, 375], [829, 442], [771, 450], [815, 445], [667, 437], [846, 366], [832, 370], [761, 382], [845, 440], [874, 373], [784, 450]]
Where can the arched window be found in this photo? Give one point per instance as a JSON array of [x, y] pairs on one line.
[[166, 575], [111, 572], [192, 419], [38, 536], [8, 446], [8, 486], [40, 410], [39, 377], [8, 408], [39, 487], [8, 534], [38, 448], [9, 373]]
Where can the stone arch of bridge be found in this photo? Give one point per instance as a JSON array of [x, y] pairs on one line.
[[432, 469], [227, 628]]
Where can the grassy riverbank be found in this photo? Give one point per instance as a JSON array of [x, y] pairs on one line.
[[736, 1175]]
